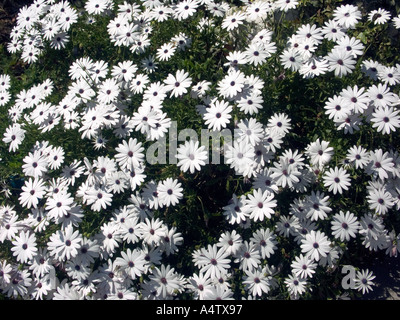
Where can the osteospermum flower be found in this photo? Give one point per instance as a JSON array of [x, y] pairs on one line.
[[250, 103], [379, 16], [96, 6], [10, 227], [232, 84], [59, 204], [370, 68], [24, 246], [110, 103], [371, 226], [5, 82], [149, 64], [235, 59], [139, 83], [347, 15], [341, 62], [6, 270], [82, 90], [240, 156], [125, 71], [303, 267], [178, 84], [319, 152], [358, 156], [199, 89], [170, 192], [256, 54], [332, 30], [315, 245], [99, 198], [155, 92], [150, 195], [389, 75], [64, 244], [284, 174], [336, 107], [396, 22], [130, 154], [233, 21], [234, 211], [344, 226], [266, 241], [385, 119], [165, 281], [295, 285], [381, 96], [316, 206], [257, 282], [35, 164], [218, 115], [306, 48], [379, 164], [55, 157], [19, 283], [351, 45], [291, 59], [355, 98], [264, 181], [363, 281], [285, 5], [230, 241], [108, 91], [250, 131], [287, 226], [380, 201], [166, 51], [5, 97], [258, 10], [185, 9], [249, 256], [32, 192], [191, 157], [14, 135], [279, 123], [171, 241], [152, 231], [213, 261], [132, 262], [314, 67], [109, 238], [260, 204]]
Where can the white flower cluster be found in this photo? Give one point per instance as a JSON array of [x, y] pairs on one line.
[[126, 258]]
